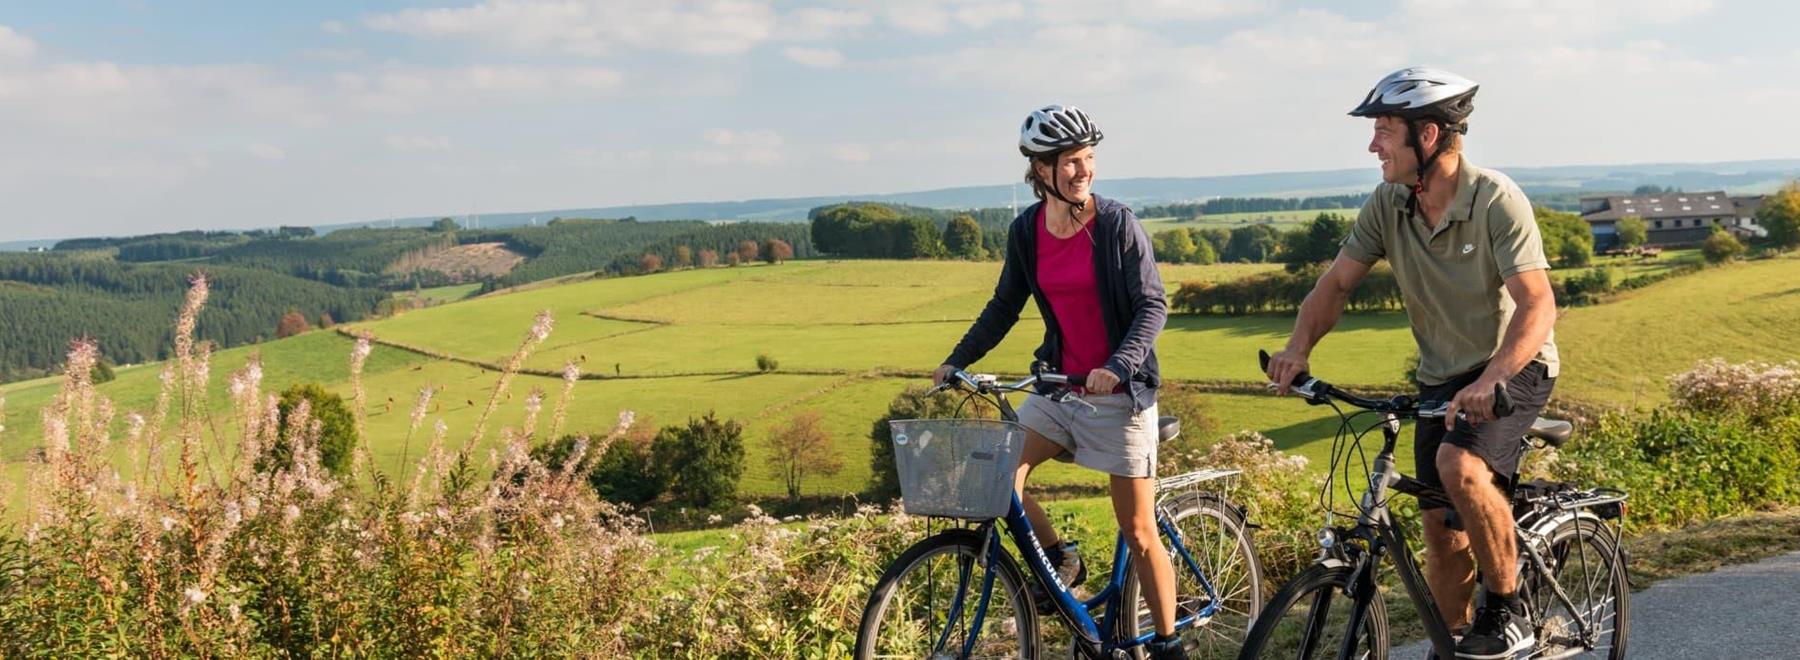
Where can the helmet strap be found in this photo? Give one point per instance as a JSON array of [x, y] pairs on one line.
[[1425, 162], [1075, 210]]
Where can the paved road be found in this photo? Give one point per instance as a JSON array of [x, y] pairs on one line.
[[1737, 612]]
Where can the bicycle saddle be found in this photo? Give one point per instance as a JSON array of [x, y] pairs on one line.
[[1552, 431], [1168, 427]]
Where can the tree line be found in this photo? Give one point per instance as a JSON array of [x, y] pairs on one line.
[[620, 247], [52, 298], [886, 231], [1224, 205]]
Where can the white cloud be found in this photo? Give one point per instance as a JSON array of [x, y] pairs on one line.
[[981, 15], [816, 23], [111, 100], [759, 147], [821, 58], [14, 45], [918, 16], [851, 153], [334, 55], [757, 138], [417, 142], [403, 90], [334, 27], [1638, 58], [1516, 25], [1093, 58], [1150, 12], [266, 151], [594, 27]]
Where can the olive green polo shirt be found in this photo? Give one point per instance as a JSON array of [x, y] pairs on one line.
[[1453, 277]]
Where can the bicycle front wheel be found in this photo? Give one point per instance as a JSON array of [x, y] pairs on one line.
[[927, 603], [1214, 535], [1310, 617], [1584, 561]]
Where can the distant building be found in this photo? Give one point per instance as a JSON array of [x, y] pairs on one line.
[[37, 248], [1680, 218]]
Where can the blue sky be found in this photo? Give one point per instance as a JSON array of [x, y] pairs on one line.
[[123, 117]]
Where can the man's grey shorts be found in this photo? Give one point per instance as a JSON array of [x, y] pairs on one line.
[[1109, 438]]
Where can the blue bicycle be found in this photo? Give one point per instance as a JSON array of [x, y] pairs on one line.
[[960, 594]]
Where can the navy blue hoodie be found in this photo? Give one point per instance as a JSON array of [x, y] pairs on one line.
[[1132, 303]]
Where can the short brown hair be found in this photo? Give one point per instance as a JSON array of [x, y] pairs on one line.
[[1450, 134]]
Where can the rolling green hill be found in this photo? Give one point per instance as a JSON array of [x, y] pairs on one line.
[[850, 335]]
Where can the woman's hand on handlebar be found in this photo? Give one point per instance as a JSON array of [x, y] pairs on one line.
[[942, 374], [1101, 381]]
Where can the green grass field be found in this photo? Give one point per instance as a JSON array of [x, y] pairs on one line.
[[841, 323], [1628, 267], [1278, 219], [1622, 353], [440, 294]]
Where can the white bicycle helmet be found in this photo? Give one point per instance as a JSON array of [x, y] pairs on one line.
[[1421, 93], [1053, 129]]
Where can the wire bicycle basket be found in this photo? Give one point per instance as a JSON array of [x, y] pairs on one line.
[[957, 468]]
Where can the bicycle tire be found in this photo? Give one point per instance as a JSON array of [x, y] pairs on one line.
[[1269, 638], [963, 545], [1218, 537], [1585, 544]]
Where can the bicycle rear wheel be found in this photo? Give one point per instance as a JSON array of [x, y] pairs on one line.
[[1584, 561], [1310, 616], [925, 605], [1215, 536]]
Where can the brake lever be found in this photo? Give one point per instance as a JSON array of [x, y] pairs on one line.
[[1067, 395]]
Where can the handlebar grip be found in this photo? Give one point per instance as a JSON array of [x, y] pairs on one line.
[[1503, 403], [1077, 380], [1263, 357]]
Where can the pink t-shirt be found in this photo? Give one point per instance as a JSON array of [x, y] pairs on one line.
[[1065, 273]]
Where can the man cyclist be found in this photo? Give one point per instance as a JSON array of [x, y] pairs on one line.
[[1465, 249]]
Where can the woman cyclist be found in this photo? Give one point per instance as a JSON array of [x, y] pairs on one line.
[[1088, 263]]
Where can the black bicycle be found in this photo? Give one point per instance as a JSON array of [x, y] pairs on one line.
[[1571, 572]]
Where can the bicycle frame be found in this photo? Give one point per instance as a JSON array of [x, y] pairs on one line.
[[1376, 527]]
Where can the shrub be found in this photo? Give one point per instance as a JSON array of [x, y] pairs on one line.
[[1687, 466], [1760, 390], [702, 461], [800, 449], [623, 472], [1587, 288], [765, 364], [308, 408], [1721, 247]]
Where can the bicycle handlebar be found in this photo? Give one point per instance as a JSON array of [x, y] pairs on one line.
[[1317, 391], [989, 383]]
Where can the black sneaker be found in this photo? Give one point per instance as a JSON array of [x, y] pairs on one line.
[[1161, 648], [1065, 557], [1500, 630]]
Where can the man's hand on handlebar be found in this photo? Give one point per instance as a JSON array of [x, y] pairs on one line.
[[1283, 367], [1476, 402]]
